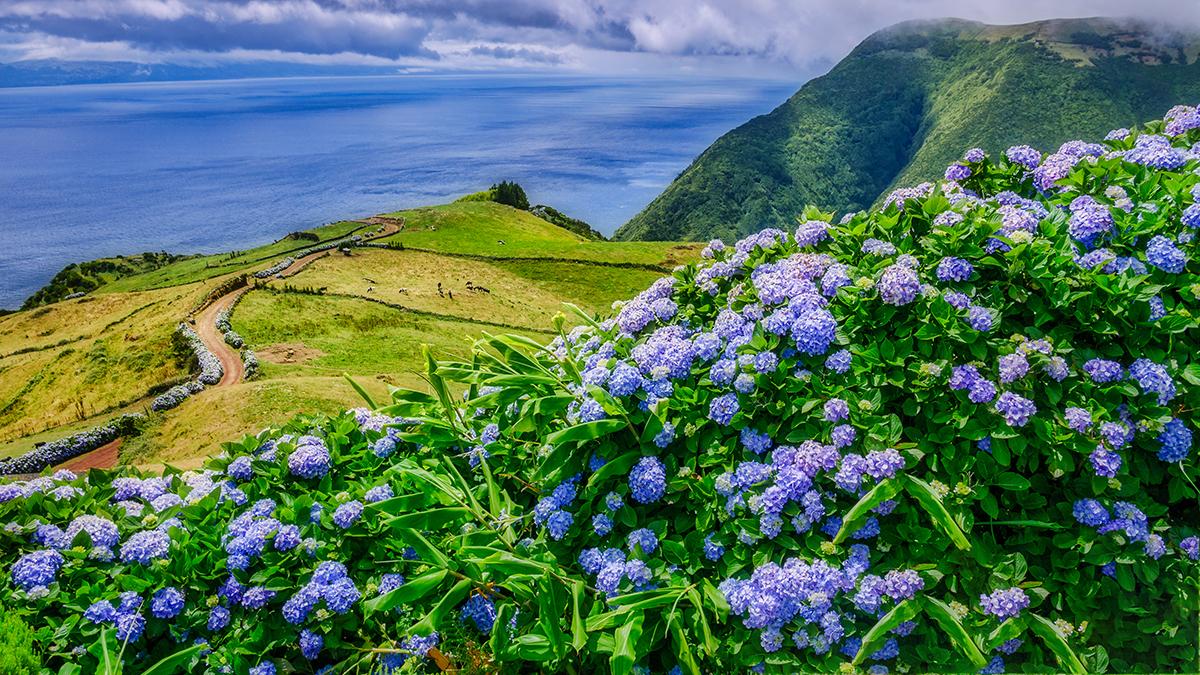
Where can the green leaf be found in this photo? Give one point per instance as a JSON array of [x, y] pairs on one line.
[[945, 618], [501, 639], [1012, 481], [578, 631], [857, 513], [1057, 642], [425, 549], [875, 637], [361, 392], [174, 663], [586, 431], [933, 506], [431, 519], [412, 590], [449, 602], [625, 654], [679, 643]]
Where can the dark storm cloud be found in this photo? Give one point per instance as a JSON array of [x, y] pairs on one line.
[[795, 32]]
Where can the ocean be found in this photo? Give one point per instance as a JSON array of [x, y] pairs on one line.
[[200, 167]]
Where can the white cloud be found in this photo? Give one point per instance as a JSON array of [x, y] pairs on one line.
[[770, 35]]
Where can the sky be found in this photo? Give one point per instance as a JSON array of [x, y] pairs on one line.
[[733, 37]]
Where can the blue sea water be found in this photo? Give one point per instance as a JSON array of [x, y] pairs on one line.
[[97, 170]]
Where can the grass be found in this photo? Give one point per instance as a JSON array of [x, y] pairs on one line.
[[196, 429], [206, 267], [520, 293], [477, 228], [116, 349], [352, 335]]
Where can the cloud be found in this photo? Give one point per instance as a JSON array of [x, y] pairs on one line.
[[783, 35]]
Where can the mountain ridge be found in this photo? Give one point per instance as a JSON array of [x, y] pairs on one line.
[[910, 99]]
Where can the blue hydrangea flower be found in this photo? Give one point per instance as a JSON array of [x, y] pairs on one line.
[[558, 523], [645, 538], [101, 611], [1175, 441], [311, 644], [166, 602], [145, 547], [1162, 253], [1103, 371], [347, 514], [1090, 512], [218, 619], [647, 480], [310, 459], [602, 524], [664, 437], [130, 627], [481, 611], [723, 408]]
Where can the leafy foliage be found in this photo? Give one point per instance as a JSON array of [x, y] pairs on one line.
[[950, 434], [900, 107]]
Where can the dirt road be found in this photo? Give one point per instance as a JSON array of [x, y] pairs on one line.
[[106, 456]]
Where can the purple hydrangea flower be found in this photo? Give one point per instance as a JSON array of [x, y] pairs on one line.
[[310, 459], [954, 269], [347, 514], [1004, 603], [899, 285], [1105, 462]]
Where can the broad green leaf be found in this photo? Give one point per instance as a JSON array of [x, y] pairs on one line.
[[177, 662], [875, 637], [625, 639], [1057, 642], [857, 513], [933, 506], [578, 632], [449, 602], [431, 519], [679, 644], [941, 613], [412, 590], [501, 638], [586, 431], [361, 392]]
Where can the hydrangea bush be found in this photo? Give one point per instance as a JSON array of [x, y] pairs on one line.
[[951, 434], [56, 452], [211, 370]]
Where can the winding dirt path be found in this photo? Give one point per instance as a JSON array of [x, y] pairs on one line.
[[206, 320], [107, 455]]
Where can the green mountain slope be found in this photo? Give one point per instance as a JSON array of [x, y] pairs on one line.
[[909, 100]]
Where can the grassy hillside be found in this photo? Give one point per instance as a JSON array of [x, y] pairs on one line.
[[497, 231], [72, 364], [908, 101]]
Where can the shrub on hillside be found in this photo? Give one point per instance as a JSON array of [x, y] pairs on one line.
[[511, 194], [950, 434]]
